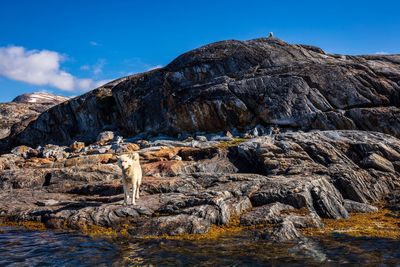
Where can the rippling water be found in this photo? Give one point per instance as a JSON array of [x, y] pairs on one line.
[[19, 247]]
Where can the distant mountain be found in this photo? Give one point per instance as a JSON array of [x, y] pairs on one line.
[[40, 98], [16, 115], [235, 84]]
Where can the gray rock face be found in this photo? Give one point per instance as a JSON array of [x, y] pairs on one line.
[[235, 84]]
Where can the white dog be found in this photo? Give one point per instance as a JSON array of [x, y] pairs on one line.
[[131, 176]]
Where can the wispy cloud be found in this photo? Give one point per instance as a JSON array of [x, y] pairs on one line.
[[96, 68], [93, 43], [381, 53], [84, 67], [41, 67]]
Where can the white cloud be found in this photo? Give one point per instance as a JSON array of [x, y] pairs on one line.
[[381, 53], [41, 67]]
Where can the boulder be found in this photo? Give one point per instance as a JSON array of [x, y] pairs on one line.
[[54, 151], [353, 206], [267, 214], [105, 137]]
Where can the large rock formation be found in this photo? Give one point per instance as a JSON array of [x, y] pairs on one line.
[[16, 115], [235, 84]]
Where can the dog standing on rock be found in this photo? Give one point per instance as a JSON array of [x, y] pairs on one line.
[[131, 176]]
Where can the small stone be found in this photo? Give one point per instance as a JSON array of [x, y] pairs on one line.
[[189, 139], [176, 157], [201, 138], [21, 151], [229, 134], [53, 151], [47, 202], [283, 232], [105, 137], [125, 148], [143, 143], [119, 139], [77, 146]]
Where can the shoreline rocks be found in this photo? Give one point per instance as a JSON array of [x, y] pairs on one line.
[[286, 182]]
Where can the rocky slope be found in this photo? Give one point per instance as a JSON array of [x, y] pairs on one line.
[[235, 84], [279, 184], [16, 115], [259, 134]]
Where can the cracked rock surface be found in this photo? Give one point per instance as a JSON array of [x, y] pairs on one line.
[[279, 183]]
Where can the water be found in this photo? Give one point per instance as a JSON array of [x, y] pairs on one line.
[[20, 247]]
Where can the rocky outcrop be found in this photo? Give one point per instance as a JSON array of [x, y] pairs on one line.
[[258, 134], [235, 85], [278, 184], [16, 115]]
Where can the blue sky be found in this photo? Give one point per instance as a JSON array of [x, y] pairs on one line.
[[69, 47]]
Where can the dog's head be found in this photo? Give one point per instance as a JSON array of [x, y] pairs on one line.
[[127, 160]]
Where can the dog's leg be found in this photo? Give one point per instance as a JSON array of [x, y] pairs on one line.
[[137, 189], [125, 192], [133, 201]]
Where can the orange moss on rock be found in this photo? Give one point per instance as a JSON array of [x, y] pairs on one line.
[[94, 230], [234, 142], [30, 225], [216, 231], [383, 224]]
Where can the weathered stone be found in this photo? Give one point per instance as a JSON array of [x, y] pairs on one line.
[[124, 147], [201, 138], [53, 151], [283, 232], [47, 202], [266, 214], [21, 151], [105, 137], [88, 160], [77, 146], [352, 206], [171, 225], [378, 162]]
